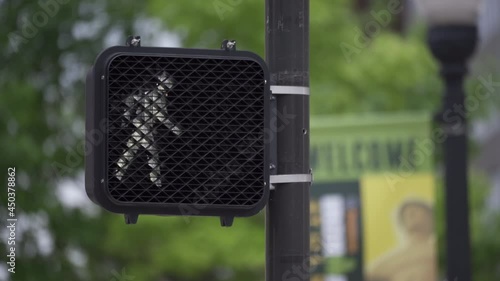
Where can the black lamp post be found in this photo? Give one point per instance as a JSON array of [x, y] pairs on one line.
[[452, 38], [452, 46]]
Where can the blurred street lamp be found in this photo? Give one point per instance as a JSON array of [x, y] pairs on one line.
[[452, 38]]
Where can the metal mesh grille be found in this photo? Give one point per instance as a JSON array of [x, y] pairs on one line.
[[185, 130]]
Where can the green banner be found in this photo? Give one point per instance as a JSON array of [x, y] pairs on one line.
[[343, 148]]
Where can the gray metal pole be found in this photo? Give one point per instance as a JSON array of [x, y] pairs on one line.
[[287, 214]]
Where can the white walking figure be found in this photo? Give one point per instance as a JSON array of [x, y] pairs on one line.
[[146, 110]]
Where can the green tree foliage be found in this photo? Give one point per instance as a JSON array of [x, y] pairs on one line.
[[384, 72], [45, 49]]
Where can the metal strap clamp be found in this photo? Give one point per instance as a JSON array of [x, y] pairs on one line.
[[290, 90], [291, 178]]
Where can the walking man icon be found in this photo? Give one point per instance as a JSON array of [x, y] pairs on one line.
[[147, 109]]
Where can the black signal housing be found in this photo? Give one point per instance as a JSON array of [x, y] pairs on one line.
[[174, 131]]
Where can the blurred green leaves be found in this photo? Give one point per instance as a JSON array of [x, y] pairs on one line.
[[188, 248], [392, 73]]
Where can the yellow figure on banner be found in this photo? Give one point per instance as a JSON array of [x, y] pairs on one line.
[[415, 258]]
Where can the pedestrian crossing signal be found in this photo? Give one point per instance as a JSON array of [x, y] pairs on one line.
[[183, 132]]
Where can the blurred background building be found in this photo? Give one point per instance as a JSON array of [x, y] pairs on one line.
[[487, 64]]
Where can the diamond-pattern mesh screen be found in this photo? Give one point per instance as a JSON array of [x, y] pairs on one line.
[[185, 130]]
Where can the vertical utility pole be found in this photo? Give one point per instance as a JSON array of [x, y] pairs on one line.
[[287, 217]]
